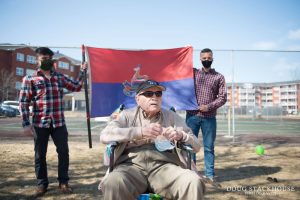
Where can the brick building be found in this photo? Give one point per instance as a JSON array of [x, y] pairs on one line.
[[284, 95], [16, 61]]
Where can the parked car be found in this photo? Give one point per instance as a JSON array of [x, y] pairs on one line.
[[7, 111], [13, 104]]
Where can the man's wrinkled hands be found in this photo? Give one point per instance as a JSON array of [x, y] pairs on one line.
[[172, 134], [152, 131]]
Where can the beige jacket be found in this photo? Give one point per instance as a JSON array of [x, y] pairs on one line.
[[127, 128], [128, 125]]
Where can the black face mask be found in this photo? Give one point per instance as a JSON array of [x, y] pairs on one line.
[[47, 64], [206, 63]]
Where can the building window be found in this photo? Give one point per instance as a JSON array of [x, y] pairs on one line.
[[72, 68], [20, 57], [63, 65], [30, 72], [31, 59], [18, 85], [19, 71]]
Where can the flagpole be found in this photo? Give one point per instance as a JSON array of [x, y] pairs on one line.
[[86, 99]]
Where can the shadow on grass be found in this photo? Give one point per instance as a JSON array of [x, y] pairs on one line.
[[80, 191], [245, 172], [84, 180]]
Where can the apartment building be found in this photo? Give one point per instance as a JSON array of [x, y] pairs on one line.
[[285, 95], [20, 60]]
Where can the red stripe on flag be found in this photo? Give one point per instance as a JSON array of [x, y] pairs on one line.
[[116, 66]]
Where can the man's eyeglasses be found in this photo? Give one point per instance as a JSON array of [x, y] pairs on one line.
[[151, 93]]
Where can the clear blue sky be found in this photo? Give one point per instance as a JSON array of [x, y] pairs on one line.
[[152, 24]]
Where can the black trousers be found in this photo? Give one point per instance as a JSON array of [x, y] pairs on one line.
[[59, 136]]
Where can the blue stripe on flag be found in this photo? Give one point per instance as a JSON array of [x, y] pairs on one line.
[[106, 97]]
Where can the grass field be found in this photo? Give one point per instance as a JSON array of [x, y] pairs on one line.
[[77, 125], [271, 126], [238, 168]]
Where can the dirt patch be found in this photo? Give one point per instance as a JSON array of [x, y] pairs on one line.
[[238, 168], [17, 170]]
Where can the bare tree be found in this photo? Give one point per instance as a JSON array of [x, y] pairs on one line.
[[7, 85]]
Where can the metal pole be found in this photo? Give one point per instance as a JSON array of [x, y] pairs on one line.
[[229, 122], [233, 97], [247, 102], [267, 109], [87, 106]]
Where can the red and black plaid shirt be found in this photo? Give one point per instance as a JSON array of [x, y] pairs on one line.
[[210, 90], [46, 97]]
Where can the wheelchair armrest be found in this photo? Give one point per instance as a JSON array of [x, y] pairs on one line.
[[113, 144], [184, 146], [188, 148], [110, 151]]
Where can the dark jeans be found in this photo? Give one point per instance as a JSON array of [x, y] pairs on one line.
[[208, 127], [60, 138]]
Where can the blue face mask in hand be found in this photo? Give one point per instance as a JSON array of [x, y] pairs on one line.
[[163, 144]]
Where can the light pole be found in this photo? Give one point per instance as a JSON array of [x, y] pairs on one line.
[[232, 104], [266, 100], [233, 97]]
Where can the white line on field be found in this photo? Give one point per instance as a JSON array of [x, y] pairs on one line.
[[11, 124], [95, 127]]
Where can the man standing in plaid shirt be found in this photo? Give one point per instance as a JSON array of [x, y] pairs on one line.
[[211, 94], [44, 90]]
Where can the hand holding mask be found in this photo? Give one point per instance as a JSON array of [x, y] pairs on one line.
[[163, 144]]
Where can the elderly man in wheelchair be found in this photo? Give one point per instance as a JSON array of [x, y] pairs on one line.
[[147, 157]]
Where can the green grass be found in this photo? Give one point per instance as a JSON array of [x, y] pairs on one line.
[[243, 126]]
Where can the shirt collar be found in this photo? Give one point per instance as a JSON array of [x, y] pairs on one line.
[[211, 71], [154, 118]]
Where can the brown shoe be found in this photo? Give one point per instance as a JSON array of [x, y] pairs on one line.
[[40, 191], [213, 182], [65, 188]]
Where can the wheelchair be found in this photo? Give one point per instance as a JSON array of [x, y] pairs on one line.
[[109, 155], [110, 149]]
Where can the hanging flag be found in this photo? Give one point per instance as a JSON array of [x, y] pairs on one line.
[[114, 74]]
